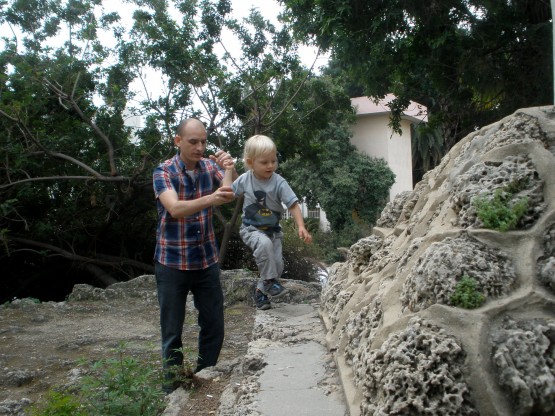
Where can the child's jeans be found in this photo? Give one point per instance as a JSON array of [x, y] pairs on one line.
[[267, 251]]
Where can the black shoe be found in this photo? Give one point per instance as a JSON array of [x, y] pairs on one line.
[[261, 300], [274, 289]]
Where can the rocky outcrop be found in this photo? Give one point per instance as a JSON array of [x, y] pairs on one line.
[[401, 345]]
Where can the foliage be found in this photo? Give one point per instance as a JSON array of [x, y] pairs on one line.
[[113, 386], [297, 255], [500, 212], [75, 181], [428, 147], [469, 62], [122, 385], [327, 243], [352, 192], [466, 294], [58, 404]]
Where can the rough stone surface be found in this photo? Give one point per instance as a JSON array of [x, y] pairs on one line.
[[401, 347], [524, 356], [437, 271], [546, 263]]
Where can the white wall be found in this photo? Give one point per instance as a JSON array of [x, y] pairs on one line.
[[373, 137]]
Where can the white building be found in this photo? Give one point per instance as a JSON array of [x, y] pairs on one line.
[[373, 136]]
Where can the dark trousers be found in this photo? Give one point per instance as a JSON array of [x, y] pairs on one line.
[[173, 286]]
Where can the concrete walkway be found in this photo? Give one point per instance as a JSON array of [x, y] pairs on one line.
[[287, 369]]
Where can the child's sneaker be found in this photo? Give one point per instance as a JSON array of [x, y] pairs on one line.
[[274, 289], [261, 300]]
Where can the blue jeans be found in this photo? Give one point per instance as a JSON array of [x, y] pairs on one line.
[[173, 286]]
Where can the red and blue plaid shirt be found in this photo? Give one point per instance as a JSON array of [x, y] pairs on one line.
[[187, 243]]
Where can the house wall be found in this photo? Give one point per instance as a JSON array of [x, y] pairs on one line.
[[373, 137]]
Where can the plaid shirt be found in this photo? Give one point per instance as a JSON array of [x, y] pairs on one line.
[[186, 243]]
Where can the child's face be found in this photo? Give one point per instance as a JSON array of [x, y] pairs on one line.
[[264, 165]]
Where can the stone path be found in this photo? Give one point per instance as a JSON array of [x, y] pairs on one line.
[[287, 369]]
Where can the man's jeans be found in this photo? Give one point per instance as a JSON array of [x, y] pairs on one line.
[[173, 285]]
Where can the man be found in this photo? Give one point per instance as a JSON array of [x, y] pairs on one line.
[[187, 186]]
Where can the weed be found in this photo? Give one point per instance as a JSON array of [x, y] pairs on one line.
[[112, 386], [499, 212], [466, 294], [59, 404]]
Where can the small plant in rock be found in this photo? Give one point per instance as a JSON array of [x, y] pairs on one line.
[[466, 294], [500, 212]]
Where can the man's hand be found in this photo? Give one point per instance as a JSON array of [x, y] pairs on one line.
[[222, 158], [222, 195]]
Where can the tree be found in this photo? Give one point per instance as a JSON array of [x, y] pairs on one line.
[[351, 188], [469, 61], [75, 187]]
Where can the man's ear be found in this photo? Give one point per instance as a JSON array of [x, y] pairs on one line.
[[176, 140]]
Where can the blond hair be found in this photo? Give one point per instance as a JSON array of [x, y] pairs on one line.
[[257, 146]]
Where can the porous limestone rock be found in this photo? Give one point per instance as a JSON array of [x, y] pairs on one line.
[[434, 276], [524, 356], [400, 344]]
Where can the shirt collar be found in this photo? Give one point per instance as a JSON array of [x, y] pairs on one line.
[[183, 168]]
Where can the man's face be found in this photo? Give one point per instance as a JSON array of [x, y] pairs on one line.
[[191, 143]]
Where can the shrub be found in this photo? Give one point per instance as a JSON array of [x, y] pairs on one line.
[[466, 294], [58, 404], [112, 386], [500, 213]]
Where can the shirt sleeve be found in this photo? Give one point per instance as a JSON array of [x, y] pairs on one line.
[[286, 194], [161, 181], [238, 185]]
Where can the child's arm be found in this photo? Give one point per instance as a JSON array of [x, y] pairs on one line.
[[225, 161], [297, 215], [229, 173]]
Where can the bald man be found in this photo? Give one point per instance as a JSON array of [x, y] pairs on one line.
[[187, 187]]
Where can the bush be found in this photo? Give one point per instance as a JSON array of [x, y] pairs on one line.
[[59, 404], [466, 294], [500, 212], [113, 386]]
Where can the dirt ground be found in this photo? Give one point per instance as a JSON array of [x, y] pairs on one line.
[[41, 344]]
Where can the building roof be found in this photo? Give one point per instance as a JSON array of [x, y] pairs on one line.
[[365, 106]]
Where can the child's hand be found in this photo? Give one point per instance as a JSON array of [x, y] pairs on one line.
[[223, 159], [228, 164], [305, 235]]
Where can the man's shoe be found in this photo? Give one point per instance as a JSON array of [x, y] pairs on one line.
[[274, 289], [261, 300]]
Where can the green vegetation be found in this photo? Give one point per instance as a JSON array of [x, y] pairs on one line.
[[500, 212], [59, 404], [76, 187], [466, 294], [439, 56], [114, 386]]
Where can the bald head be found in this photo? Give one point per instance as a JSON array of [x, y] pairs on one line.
[[190, 122]]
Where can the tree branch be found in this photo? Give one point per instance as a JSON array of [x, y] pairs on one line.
[[57, 178], [110, 261], [92, 124]]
